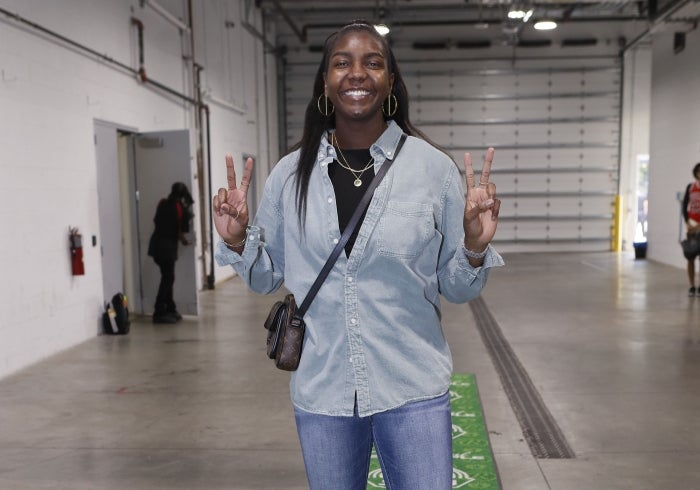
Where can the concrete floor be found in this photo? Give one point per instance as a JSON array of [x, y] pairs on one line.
[[612, 345]]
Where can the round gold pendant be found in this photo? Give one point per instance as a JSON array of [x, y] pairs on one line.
[[357, 182]]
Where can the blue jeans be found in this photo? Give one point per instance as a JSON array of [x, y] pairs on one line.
[[413, 443]]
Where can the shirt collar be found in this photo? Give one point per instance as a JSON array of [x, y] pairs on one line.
[[388, 141], [384, 146]]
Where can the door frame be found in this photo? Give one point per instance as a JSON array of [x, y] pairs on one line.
[[123, 176], [130, 281]]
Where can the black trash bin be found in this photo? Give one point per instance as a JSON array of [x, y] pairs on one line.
[[640, 250]]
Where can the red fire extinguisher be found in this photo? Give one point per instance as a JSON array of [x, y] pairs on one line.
[[76, 252]]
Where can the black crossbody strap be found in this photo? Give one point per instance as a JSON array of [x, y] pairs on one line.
[[352, 224]]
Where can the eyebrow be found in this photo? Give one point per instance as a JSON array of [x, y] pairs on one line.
[[368, 55]]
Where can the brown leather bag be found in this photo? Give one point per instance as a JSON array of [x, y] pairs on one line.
[[285, 334]]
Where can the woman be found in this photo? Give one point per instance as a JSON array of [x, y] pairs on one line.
[[691, 215], [375, 369], [172, 222]]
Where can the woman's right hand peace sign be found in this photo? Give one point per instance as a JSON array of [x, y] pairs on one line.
[[231, 206]]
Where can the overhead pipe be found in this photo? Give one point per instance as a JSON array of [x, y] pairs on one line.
[[458, 22], [251, 28], [210, 277], [204, 184], [65, 40], [301, 34], [241, 110], [657, 21], [141, 75], [139, 29], [205, 194], [103, 57], [163, 12]]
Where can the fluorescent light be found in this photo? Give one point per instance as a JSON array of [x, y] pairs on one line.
[[545, 25], [382, 29], [520, 14]]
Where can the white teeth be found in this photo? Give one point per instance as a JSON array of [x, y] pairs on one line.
[[357, 93]]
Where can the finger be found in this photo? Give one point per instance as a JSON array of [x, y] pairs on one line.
[[230, 173], [469, 171], [224, 206], [496, 209], [474, 212], [221, 208], [247, 174], [229, 210], [222, 194], [486, 169], [491, 190]]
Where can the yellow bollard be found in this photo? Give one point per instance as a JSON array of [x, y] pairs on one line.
[[616, 235]]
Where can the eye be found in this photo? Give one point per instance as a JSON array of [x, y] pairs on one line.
[[375, 63]]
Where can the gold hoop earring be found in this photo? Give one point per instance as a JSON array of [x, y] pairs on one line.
[[388, 112], [326, 112]]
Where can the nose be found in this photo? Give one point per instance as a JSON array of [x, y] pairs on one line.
[[357, 71]]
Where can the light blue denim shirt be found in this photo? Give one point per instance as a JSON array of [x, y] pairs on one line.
[[374, 328]]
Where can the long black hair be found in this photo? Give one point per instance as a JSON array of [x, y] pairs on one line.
[[180, 192], [315, 123]]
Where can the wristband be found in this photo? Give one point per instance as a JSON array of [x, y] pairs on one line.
[[471, 254], [234, 245]]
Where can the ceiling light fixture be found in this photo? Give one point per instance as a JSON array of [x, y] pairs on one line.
[[382, 29], [545, 25], [521, 14]]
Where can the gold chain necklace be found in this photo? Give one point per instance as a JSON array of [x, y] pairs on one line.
[[343, 162]]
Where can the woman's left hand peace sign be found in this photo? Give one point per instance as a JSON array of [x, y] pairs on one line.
[[482, 206]]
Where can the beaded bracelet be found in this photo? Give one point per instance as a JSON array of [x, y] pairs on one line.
[[474, 255]]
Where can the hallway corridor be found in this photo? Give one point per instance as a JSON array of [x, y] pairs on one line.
[[611, 344]]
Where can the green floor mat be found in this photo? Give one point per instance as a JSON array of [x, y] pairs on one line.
[[473, 467]]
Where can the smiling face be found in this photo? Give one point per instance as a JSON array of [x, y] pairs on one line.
[[357, 80]]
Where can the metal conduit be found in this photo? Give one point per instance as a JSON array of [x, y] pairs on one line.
[[102, 57], [140, 74]]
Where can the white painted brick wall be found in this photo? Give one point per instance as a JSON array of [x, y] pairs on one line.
[[50, 96]]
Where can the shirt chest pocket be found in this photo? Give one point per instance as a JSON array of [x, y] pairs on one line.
[[404, 229]]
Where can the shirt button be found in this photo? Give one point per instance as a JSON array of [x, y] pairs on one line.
[[330, 200], [349, 279], [335, 240], [353, 321]]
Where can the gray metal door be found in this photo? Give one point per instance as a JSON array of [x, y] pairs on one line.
[[160, 159], [109, 209]]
